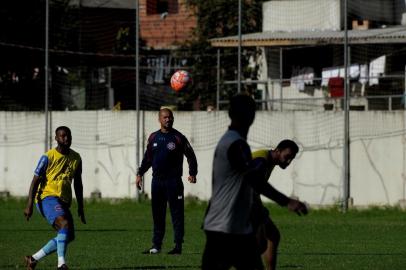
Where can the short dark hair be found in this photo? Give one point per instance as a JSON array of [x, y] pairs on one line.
[[63, 128], [241, 107], [165, 109], [288, 144]]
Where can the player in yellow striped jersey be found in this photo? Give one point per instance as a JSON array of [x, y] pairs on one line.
[[51, 191], [267, 233]]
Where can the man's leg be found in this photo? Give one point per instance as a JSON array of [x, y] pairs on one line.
[[273, 235], [64, 226], [176, 206], [31, 261], [52, 210], [158, 203], [49, 248]]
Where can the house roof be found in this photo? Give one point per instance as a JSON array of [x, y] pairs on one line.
[[121, 4], [396, 34]]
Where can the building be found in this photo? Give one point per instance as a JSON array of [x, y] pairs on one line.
[[164, 24], [303, 47]]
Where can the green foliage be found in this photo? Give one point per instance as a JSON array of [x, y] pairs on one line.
[[24, 23], [219, 18], [64, 25]]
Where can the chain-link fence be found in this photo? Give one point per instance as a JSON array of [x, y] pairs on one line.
[[293, 62]]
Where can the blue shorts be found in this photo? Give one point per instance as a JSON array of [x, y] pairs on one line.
[[51, 208]]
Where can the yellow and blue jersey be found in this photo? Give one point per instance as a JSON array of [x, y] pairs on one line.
[[263, 155], [262, 158], [56, 172]]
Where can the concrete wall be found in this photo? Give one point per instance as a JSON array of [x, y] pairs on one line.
[[106, 142], [297, 15]]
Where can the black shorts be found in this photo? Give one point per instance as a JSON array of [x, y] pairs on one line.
[[265, 231], [223, 251], [259, 213]]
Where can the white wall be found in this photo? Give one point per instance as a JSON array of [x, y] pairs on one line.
[[297, 15], [106, 142]]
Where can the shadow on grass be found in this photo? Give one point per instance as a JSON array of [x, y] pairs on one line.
[[49, 229], [350, 254], [12, 266], [26, 230], [147, 267], [101, 230]]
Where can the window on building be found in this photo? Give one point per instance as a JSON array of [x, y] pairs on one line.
[[162, 6]]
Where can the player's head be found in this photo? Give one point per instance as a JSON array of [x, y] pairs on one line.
[[242, 109], [165, 117], [286, 151], [63, 137]]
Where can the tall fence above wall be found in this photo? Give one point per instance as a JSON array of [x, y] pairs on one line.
[[292, 65]]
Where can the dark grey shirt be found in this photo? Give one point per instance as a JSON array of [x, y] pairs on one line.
[[229, 210]]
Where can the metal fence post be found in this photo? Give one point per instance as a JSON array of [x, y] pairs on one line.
[[281, 76]]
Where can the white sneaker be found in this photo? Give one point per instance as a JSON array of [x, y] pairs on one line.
[[152, 250]]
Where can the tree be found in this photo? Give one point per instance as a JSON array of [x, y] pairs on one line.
[[22, 48], [219, 18]]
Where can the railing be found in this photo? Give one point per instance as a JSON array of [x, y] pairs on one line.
[[365, 103], [277, 96]]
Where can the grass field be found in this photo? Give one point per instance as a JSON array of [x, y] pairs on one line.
[[117, 233]]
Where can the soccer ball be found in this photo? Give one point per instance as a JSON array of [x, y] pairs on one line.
[[180, 79]]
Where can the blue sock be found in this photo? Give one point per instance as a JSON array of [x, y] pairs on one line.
[[50, 246], [46, 250], [62, 242]]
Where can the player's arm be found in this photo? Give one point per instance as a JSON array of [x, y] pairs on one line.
[[78, 186], [145, 163], [260, 184], [238, 155], [191, 159], [31, 197], [36, 180], [297, 206], [270, 192]]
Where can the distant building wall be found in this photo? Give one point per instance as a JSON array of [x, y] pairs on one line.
[[165, 31], [106, 142], [296, 15]]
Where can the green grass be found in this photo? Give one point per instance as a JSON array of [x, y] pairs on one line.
[[117, 233]]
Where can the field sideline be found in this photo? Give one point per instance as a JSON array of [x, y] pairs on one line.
[[117, 233]]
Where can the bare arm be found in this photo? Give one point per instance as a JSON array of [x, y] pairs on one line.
[[31, 197], [78, 186], [36, 180]]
